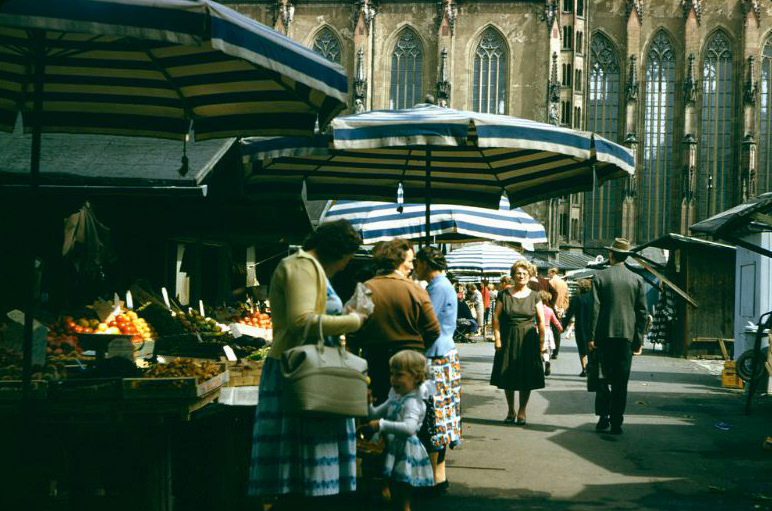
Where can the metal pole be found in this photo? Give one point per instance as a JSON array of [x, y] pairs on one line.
[[37, 115], [428, 196]]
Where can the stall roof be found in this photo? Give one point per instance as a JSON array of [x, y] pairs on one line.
[[102, 160], [753, 215], [669, 241]]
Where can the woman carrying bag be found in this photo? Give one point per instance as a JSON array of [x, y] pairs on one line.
[[296, 455]]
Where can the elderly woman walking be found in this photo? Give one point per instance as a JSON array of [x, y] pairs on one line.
[[518, 336], [293, 455], [444, 363]]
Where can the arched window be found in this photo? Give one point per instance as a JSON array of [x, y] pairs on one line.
[[715, 184], [603, 206], [406, 71], [489, 87], [656, 179], [764, 183], [327, 45]]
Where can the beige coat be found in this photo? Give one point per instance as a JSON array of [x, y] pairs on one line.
[[299, 289]]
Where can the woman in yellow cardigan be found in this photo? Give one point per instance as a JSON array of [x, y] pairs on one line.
[[300, 456]]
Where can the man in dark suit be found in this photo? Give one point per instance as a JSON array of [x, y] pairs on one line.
[[618, 321]]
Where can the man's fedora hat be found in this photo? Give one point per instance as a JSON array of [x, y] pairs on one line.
[[620, 245]]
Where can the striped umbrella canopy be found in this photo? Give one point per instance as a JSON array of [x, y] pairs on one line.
[[158, 68], [380, 221], [484, 258], [436, 155]]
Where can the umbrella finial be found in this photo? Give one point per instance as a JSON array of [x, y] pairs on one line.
[[184, 167]]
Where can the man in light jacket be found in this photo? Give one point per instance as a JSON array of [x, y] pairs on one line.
[[618, 322]]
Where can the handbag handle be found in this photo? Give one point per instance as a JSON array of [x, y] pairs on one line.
[[320, 340]]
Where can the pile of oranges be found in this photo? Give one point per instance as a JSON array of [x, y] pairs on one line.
[[257, 319]]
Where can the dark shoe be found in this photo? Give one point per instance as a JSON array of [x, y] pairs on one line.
[[547, 369], [441, 489], [509, 420], [583, 373], [603, 424], [520, 421], [554, 356], [616, 430]]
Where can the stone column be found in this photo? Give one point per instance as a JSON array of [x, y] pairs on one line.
[[364, 29], [689, 193], [632, 86], [447, 14], [284, 12], [751, 47]]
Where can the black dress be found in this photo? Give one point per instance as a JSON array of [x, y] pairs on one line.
[[518, 364]]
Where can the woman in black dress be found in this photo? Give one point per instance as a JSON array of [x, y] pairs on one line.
[[518, 334]]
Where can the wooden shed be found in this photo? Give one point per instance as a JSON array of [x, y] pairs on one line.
[[705, 270]]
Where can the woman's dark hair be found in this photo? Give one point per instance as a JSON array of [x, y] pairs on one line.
[[433, 257], [389, 255], [333, 241]]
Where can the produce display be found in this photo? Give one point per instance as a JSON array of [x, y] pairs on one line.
[[182, 367], [256, 319], [11, 368], [62, 340]]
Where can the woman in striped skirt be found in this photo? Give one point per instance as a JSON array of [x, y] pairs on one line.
[[294, 455]]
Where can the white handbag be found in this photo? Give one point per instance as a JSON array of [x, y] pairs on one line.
[[324, 379]]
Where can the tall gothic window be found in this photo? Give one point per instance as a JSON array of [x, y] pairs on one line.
[[656, 180], [715, 185], [406, 71], [489, 87], [764, 183], [603, 206], [327, 45]]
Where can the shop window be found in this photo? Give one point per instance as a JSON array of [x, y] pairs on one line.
[[655, 182], [716, 147], [327, 45], [406, 71], [489, 81], [602, 208], [568, 37], [764, 182], [565, 113]]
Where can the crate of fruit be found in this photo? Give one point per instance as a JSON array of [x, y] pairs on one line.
[[179, 379], [13, 390]]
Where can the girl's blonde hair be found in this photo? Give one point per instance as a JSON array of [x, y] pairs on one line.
[[411, 362], [546, 296]]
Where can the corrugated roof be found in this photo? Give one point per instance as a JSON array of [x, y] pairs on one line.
[[108, 160]]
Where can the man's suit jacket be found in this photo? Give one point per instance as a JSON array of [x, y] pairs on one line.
[[619, 305]]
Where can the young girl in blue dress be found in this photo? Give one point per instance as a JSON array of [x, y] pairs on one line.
[[399, 418]]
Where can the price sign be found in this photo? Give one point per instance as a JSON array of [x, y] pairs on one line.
[[166, 297], [129, 300], [229, 353], [201, 307]]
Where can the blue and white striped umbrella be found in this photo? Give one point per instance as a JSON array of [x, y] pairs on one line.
[[153, 67], [485, 258], [380, 221], [471, 159]]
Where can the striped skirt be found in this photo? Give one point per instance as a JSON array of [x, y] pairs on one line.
[[298, 454], [446, 373]]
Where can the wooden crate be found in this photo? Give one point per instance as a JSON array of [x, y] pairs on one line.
[[730, 379], [11, 390], [246, 374], [172, 388]]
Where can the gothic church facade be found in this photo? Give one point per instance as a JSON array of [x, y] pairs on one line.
[[687, 84]]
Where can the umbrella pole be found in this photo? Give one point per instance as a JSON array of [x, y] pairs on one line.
[[29, 314], [428, 197]]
